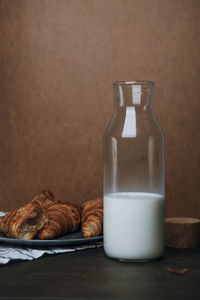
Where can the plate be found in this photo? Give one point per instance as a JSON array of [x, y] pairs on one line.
[[75, 238]]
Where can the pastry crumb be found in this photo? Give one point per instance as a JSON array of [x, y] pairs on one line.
[[178, 272]]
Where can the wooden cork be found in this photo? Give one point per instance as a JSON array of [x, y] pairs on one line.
[[182, 233]]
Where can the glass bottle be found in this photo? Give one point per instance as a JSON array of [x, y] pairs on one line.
[[134, 188]]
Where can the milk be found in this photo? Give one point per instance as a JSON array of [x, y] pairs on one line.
[[134, 226]]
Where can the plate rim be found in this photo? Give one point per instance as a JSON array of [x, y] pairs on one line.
[[52, 242]]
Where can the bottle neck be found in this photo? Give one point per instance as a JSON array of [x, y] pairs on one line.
[[136, 94]]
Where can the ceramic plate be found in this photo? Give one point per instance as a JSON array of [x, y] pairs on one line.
[[75, 238]]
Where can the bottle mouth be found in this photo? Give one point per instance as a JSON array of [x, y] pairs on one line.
[[143, 83]]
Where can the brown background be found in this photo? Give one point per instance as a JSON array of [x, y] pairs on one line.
[[58, 60]]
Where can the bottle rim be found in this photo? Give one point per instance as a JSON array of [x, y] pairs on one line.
[[135, 82]]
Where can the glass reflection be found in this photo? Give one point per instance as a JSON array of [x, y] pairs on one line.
[[129, 129]]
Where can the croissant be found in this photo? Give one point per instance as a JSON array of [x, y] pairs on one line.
[[60, 219], [44, 199], [24, 222], [92, 218]]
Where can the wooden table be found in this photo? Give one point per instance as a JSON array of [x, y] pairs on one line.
[[89, 274]]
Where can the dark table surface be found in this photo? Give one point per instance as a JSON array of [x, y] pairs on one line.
[[90, 274]]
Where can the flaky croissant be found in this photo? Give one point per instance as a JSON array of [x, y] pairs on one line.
[[60, 219], [24, 222], [44, 199], [92, 218]]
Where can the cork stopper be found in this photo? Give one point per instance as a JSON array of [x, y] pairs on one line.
[[182, 233]]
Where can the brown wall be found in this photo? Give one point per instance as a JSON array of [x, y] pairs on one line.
[[58, 60]]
